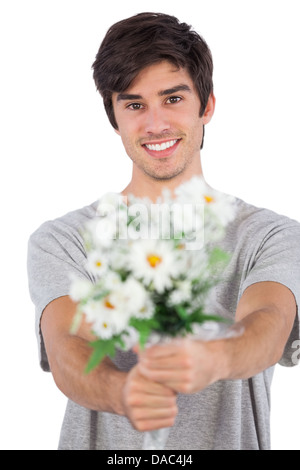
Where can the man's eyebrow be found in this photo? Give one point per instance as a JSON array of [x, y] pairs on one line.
[[128, 96], [169, 91], [175, 89]]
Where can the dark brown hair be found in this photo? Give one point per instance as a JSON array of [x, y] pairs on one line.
[[142, 40]]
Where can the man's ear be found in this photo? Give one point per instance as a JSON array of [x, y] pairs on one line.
[[210, 109], [117, 131]]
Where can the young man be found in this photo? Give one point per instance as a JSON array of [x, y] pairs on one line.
[[155, 76]]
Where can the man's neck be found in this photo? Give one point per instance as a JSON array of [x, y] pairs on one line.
[[152, 188]]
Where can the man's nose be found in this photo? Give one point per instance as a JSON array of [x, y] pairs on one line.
[[156, 121]]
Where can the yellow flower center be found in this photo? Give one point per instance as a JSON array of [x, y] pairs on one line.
[[108, 304], [98, 264], [104, 325], [181, 246], [154, 260], [209, 199]]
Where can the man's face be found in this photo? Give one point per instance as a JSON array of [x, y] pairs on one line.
[[159, 123]]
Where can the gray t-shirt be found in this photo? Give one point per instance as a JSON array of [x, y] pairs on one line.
[[233, 414]]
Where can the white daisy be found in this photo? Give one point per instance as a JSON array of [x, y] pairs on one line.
[[155, 262], [181, 294], [198, 266], [106, 317], [92, 311], [120, 300], [100, 232], [110, 315], [106, 230], [109, 203], [196, 190], [135, 294], [118, 257], [192, 191], [80, 289], [188, 221], [138, 299], [97, 263], [146, 311], [221, 206], [104, 328]]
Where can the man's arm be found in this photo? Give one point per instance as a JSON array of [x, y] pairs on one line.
[[266, 313], [106, 388], [68, 355]]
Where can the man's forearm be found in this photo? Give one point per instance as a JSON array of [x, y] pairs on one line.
[[189, 365], [100, 390], [260, 346], [146, 404], [267, 312]]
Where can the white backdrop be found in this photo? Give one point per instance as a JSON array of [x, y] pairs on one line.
[[58, 153]]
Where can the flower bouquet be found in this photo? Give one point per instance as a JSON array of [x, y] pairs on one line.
[[153, 266]]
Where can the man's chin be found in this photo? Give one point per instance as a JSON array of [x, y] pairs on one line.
[[164, 176]]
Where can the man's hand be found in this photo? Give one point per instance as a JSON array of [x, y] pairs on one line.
[[147, 404], [185, 365], [265, 316]]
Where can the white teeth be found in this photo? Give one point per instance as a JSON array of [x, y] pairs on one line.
[[163, 146]]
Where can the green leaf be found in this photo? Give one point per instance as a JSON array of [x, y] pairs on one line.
[[101, 349], [144, 328], [218, 257], [181, 312], [200, 317], [100, 295], [76, 321]]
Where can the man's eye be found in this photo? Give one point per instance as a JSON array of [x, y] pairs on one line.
[[134, 106], [174, 99]]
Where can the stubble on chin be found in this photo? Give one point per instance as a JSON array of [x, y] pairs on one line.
[[162, 174], [163, 169]]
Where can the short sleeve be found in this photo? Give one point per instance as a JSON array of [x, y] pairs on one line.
[[55, 254], [278, 259]]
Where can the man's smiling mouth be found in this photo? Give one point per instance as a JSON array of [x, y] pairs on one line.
[[162, 146], [162, 149]]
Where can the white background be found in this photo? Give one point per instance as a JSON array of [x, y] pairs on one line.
[[58, 153]]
